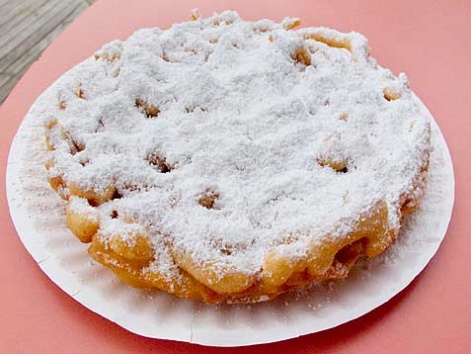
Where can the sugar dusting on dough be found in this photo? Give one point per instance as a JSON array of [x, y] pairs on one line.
[[237, 115]]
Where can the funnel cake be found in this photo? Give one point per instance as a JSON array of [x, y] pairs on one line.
[[225, 160]]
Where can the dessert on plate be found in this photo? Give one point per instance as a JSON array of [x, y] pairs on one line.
[[232, 161]]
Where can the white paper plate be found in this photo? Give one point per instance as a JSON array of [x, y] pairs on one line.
[[38, 215]]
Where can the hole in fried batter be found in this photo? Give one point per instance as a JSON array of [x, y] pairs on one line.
[[79, 92], [339, 166], [116, 195], [150, 110], [350, 253], [343, 116], [84, 162], [208, 198], [391, 94], [227, 251], [100, 125], [156, 159], [93, 202], [165, 57], [76, 147], [302, 55], [190, 50], [191, 109], [114, 214], [96, 196]]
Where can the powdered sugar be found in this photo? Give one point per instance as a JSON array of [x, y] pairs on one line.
[[239, 116]]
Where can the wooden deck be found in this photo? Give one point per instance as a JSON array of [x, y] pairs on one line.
[[26, 28]]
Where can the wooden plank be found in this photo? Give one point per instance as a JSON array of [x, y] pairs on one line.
[[22, 28], [34, 51], [8, 81], [18, 11], [18, 67], [6, 5], [12, 51], [24, 17], [4, 78], [6, 89]]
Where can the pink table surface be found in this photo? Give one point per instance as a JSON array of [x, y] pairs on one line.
[[429, 40]]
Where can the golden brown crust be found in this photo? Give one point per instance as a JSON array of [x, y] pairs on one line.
[[332, 259]]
